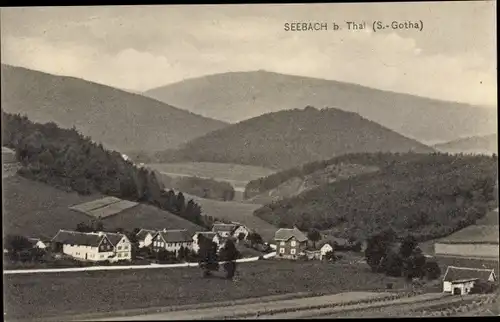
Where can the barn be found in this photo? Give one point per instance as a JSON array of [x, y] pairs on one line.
[[461, 280]]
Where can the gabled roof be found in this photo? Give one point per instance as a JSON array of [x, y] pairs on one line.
[[224, 227], [78, 238], [114, 238], [144, 232], [208, 234], [454, 273], [175, 236], [285, 234]]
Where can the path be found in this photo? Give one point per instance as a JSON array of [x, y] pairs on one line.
[[110, 268]]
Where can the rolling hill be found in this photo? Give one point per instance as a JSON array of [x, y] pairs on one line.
[[429, 197], [35, 209], [237, 96], [289, 138], [120, 120], [486, 144]]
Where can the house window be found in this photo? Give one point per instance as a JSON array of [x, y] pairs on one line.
[[102, 256], [119, 247], [294, 243], [125, 247], [282, 250], [282, 243], [292, 251]]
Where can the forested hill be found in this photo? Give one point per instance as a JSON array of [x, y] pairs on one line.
[[430, 197], [118, 119], [237, 96], [65, 159], [293, 137]]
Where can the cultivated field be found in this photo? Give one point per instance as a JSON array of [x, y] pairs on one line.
[[35, 209], [235, 211], [57, 294]]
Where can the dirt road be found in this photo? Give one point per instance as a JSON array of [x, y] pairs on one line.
[[255, 309]]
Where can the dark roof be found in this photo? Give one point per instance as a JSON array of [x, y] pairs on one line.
[[475, 234], [144, 232], [287, 233], [208, 234], [77, 238], [224, 227], [176, 236], [114, 238], [454, 273]]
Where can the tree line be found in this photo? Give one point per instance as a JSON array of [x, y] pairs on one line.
[[65, 159], [430, 197]]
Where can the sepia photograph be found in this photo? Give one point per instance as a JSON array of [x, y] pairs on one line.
[[249, 161]]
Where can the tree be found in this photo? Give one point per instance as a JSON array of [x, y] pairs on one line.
[[180, 203], [432, 270], [314, 236], [378, 247], [15, 244], [208, 255], [407, 246], [229, 254], [254, 238]]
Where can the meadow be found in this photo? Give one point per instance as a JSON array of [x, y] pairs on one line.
[[233, 173], [59, 294], [235, 211], [34, 209]]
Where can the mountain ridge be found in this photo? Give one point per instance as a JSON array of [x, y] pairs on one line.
[[119, 119], [235, 96]]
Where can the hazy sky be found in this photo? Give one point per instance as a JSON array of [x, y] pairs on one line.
[[141, 47]]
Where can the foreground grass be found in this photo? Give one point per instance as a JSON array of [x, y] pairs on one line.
[[55, 294]]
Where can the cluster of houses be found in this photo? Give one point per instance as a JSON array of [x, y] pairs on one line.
[[113, 247]]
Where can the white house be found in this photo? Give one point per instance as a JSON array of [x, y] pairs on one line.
[[37, 243], [215, 237], [98, 246], [325, 249], [460, 280], [123, 246], [172, 240], [145, 237]]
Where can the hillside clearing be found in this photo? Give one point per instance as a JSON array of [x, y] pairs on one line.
[[235, 211], [76, 293], [35, 209]]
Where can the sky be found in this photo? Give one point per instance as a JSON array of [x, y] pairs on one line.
[[142, 47]]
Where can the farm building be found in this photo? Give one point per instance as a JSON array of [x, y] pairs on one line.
[[312, 254], [8, 155], [291, 243], [230, 230], [461, 280], [325, 249], [215, 237], [38, 243], [145, 237], [104, 207], [473, 241], [98, 246], [172, 240]]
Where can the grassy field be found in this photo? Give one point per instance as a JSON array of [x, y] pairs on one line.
[[35, 209], [235, 211], [222, 171], [55, 294]]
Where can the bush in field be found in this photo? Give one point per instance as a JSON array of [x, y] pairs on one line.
[[378, 247], [229, 254], [432, 270]]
